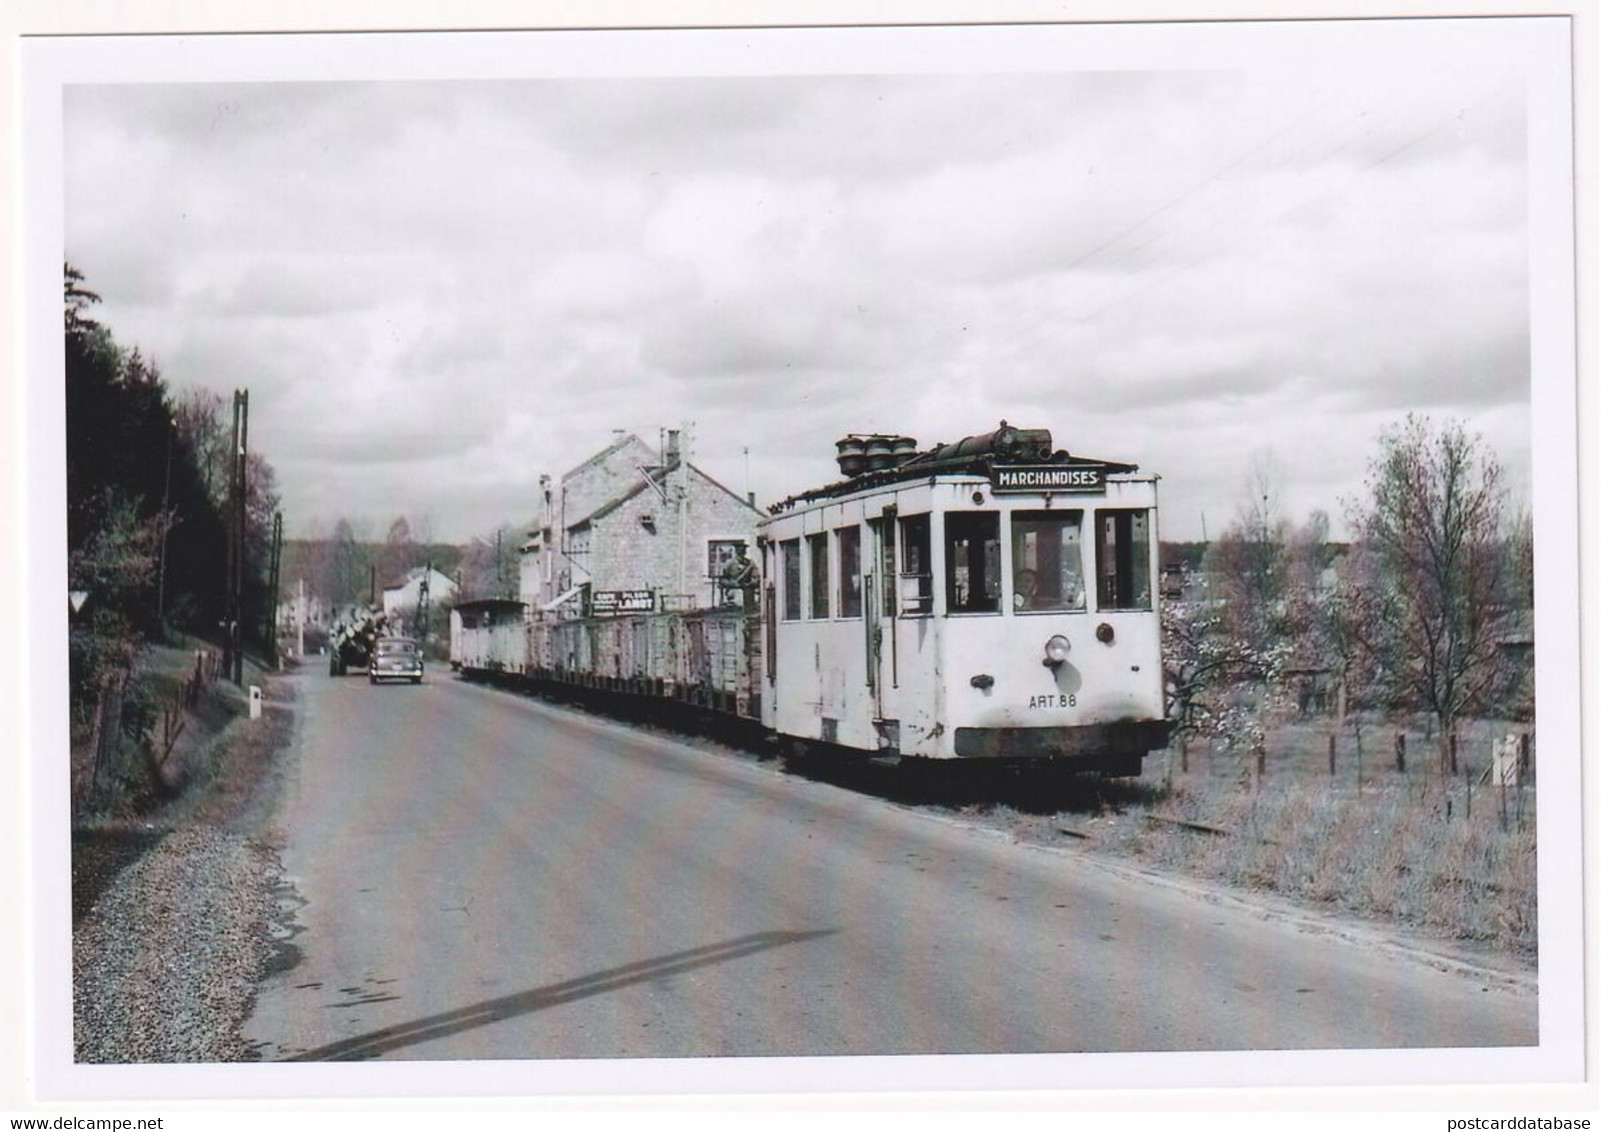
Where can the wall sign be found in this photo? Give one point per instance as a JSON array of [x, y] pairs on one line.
[[622, 601]]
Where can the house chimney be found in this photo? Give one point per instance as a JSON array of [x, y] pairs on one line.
[[671, 455]]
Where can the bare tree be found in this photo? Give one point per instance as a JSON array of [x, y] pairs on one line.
[[399, 553], [198, 419], [1428, 588]]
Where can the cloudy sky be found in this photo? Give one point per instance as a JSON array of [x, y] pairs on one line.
[[434, 291]]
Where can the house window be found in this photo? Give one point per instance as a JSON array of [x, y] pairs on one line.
[[972, 562], [719, 553], [1047, 560], [1123, 559], [917, 570], [789, 552], [849, 540], [817, 554]]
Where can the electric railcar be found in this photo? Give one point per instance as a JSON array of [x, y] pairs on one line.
[[990, 599]]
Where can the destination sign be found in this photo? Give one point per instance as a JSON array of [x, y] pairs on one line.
[[1049, 477], [623, 601]]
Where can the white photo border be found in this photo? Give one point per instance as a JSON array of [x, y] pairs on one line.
[[51, 64]]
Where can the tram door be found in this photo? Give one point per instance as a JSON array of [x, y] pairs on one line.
[[879, 618]]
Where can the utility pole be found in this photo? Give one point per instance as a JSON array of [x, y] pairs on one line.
[[272, 585], [684, 444], [241, 460], [230, 611], [422, 606], [300, 621]]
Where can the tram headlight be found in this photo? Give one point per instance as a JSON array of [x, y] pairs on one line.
[[1056, 650]]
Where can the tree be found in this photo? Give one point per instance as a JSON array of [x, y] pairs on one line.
[[399, 553], [1248, 561], [198, 417], [1428, 587], [344, 582], [488, 566]]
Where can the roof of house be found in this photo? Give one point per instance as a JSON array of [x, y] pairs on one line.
[[611, 449], [414, 574], [652, 477]]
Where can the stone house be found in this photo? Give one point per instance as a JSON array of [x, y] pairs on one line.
[[630, 518]]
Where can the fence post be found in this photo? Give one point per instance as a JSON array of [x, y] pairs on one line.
[[1453, 750], [1331, 754], [1400, 752], [1525, 760], [1184, 754]]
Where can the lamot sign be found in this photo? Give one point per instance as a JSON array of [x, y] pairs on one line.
[[622, 601]]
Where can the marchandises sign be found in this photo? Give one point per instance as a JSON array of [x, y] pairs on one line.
[[1046, 477]]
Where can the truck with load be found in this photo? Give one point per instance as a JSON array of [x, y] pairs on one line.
[[350, 644]]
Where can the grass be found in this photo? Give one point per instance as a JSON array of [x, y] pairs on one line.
[[1421, 848]]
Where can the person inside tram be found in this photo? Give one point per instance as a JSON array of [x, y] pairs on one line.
[[1025, 584]]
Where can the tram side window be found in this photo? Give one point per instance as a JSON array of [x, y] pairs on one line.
[[849, 540], [789, 552], [972, 562], [1123, 559], [917, 571], [817, 551], [1048, 560]]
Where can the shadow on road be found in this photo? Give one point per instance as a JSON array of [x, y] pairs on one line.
[[494, 1010]]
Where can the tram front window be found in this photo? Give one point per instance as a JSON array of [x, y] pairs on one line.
[[972, 562], [1048, 561], [1123, 559]]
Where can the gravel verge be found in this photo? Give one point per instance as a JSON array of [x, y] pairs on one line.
[[165, 964], [173, 913]]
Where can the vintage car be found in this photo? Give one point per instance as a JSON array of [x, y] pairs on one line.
[[395, 658]]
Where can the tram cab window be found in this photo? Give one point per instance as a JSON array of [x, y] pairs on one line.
[[817, 552], [789, 553], [1048, 561], [849, 540], [972, 562], [917, 571], [1123, 559]]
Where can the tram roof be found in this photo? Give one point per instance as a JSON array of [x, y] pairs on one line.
[[920, 467]]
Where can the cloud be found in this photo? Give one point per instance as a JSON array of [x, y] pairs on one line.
[[436, 291]]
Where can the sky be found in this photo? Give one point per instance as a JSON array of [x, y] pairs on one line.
[[436, 291]]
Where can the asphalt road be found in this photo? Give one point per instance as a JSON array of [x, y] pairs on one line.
[[473, 874]]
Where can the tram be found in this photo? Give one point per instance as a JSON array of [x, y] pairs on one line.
[[986, 599]]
